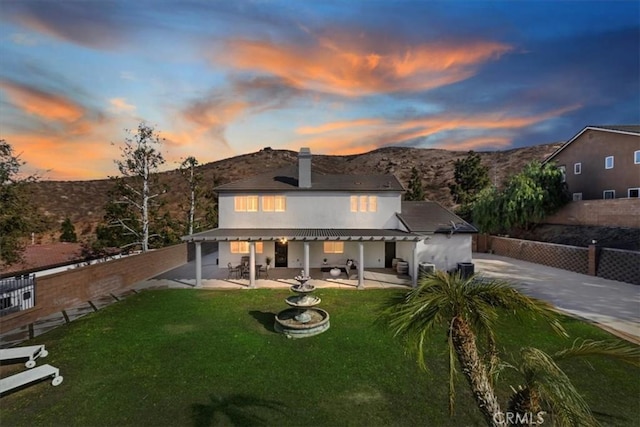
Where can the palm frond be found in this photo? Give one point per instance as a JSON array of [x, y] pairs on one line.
[[615, 349], [553, 388]]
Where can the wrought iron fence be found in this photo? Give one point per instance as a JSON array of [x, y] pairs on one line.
[[17, 293]]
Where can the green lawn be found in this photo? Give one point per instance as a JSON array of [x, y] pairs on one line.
[[187, 357]]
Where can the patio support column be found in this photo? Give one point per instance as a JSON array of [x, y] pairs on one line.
[[360, 264], [198, 264], [252, 264], [306, 259], [414, 267]]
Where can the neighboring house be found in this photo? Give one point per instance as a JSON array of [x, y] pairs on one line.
[[298, 218], [601, 162]]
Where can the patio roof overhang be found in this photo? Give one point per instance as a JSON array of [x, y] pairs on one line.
[[301, 234]]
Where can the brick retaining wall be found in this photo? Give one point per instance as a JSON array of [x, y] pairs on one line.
[[613, 264], [61, 291], [570, 258], [616, 264]]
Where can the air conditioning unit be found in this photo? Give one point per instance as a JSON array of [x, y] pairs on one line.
[[425, 268]]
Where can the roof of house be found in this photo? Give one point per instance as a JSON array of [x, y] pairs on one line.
[[431, 217], [286, 179], [623, 129], [308, 234], [40, 257]]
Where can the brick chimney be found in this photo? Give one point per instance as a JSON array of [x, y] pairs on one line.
[[304, 168]]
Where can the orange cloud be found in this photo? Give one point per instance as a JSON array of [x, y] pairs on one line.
[[355, 70], [120, 105], [46, 105], [332, 126]]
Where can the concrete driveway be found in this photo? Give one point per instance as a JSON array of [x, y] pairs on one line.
[[615, 306]]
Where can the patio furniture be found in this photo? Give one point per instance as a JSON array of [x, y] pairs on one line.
[[233, 271], [31, 353], [264, 269], [30, 376]]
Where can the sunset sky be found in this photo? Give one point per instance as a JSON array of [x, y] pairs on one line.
[[222, 78]]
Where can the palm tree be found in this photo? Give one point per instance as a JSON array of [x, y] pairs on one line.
[[467, 308], [547, 388]]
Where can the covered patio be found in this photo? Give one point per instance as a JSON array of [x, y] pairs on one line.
[[357, 238]]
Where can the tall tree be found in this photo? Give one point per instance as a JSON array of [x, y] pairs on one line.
[[141, 158], [202, 207], [526, 199], [466, 310], [68, 231], [470, 177], [17, 215], [415, 192]]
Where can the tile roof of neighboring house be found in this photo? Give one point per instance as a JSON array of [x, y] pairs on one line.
[[40, 257], [431, 217], [310, 234], [286, 179], [624, 129]]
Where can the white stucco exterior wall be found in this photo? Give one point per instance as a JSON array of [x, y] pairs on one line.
[[313, 209], [445, 251]]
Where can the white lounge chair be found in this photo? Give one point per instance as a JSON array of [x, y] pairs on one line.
[[29, 377], [31, 353]]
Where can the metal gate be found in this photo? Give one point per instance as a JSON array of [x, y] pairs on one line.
[[17, 293]]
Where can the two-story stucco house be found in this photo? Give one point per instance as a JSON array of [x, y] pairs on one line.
[[601, 162], [299, 218]]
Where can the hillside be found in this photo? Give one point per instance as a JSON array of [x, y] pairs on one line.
[[83, 201]]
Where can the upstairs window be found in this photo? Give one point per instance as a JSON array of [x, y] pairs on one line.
[[608, 162], [577, 168], [274, 203], [364, 203], [333, 247], [609, 194], [563, 172], [636, 157], [245, 203]]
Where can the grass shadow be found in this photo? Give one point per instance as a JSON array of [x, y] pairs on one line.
[[236, 410], [266, 319]]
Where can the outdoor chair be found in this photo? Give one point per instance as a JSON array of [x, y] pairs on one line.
[[233, 271], [264, 269], [244, 270]]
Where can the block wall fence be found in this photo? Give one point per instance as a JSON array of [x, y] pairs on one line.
[[70, 288], [613, 264], [603, 213]]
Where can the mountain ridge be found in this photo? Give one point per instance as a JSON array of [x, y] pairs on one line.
[[83, 201]]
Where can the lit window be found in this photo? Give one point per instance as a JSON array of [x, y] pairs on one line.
[[636, 157], [608, 162], [268, 203], [281, 203], [609, 194], [240, 204], [363, 203], [563, 171], [252, 203], [333, 247], [577, 168], [633, 193], [354, 203], [373, 203], [577, 197], [274, 203], [243, 247], [245, 203]]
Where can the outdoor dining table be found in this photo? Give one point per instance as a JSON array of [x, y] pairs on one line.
[[241, 269]]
